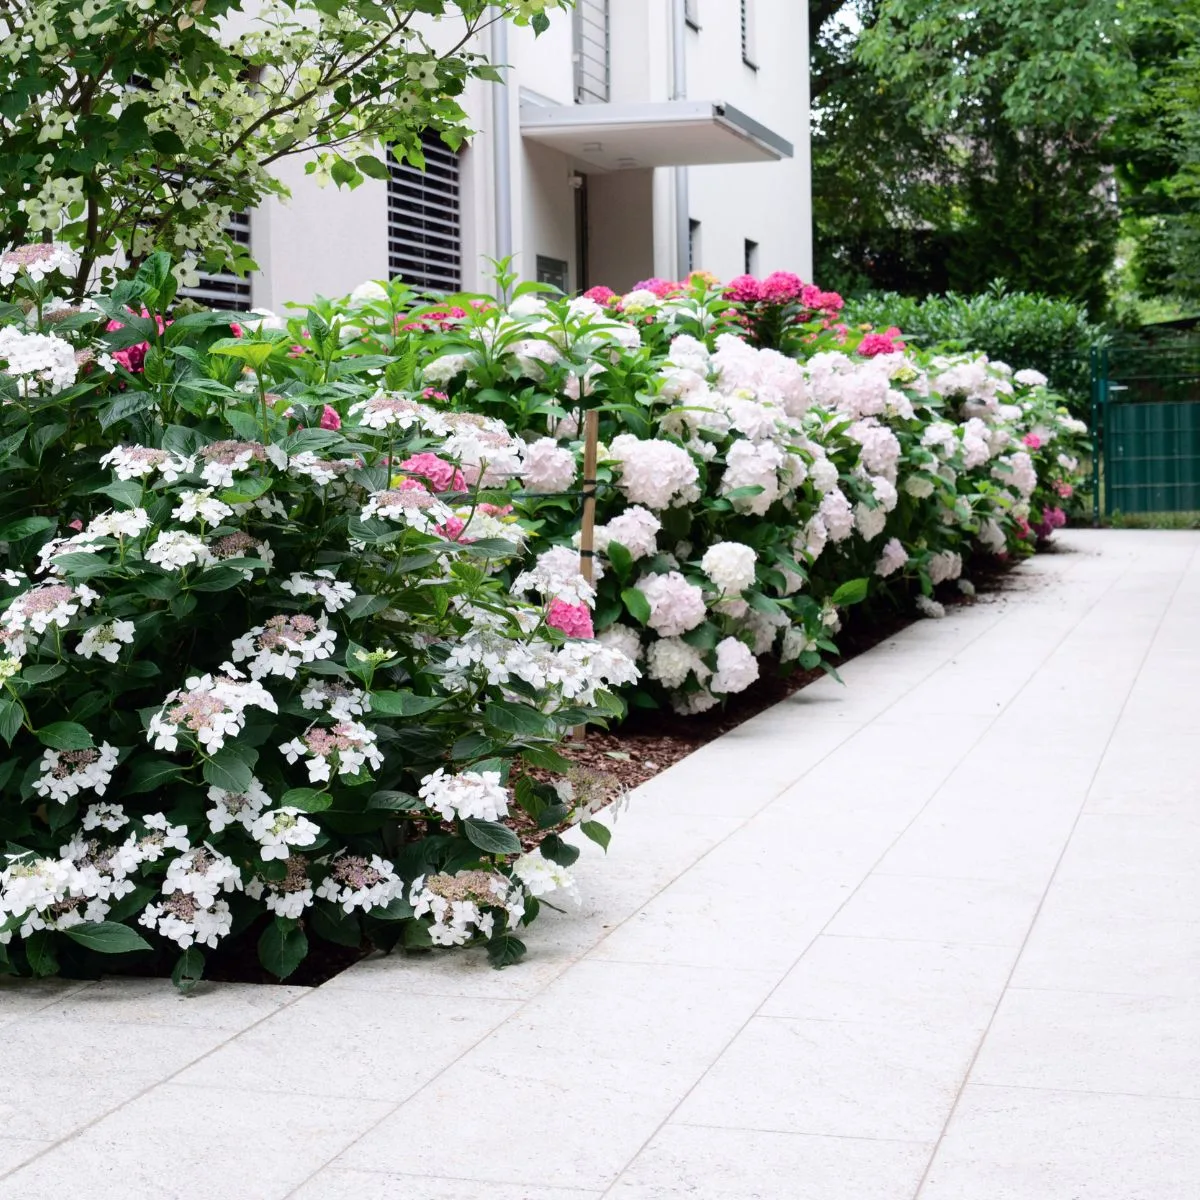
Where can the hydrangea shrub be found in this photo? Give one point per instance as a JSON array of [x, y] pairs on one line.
[[292, 618], [762, 465], [254, 687]]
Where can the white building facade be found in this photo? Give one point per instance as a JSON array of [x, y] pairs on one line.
[[635, 138]]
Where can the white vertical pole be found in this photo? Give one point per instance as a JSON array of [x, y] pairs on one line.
[[502, 142], [679, 92]]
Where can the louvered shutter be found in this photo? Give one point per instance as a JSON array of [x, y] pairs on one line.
[[425, 219]]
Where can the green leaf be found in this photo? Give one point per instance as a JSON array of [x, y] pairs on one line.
[[504, 949], [11, 719], [149, 774], [547, 758], [43, 672], [216, 579], [40, 953], [558, 851], [307, 799], [80, 565], [852, 592], [636, 605], [226, 770], [107, 937], [318, 327], [403, 704], [14, 531], [491, 837], [124, 406], [334, 924], [282, 947], [621, 559], [520, 720], [244, 350], [189, 970], [64, 735], [600, 834], [396, 909], [393, 801], [372, 167]]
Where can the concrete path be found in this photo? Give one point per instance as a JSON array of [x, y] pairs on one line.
[[935, 934]]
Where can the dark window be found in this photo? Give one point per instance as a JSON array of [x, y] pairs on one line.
[[693, 245], [751, 250], [554, 271], [425, 219]]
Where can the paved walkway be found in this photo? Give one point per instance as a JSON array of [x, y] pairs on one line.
[[935, 935]]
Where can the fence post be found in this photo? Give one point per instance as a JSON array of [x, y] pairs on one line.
[[587, 530]]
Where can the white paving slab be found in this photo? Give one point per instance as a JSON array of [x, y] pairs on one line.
[[932, 934]]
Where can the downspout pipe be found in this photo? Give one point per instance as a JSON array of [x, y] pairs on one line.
[[679, 92], [502, 142]]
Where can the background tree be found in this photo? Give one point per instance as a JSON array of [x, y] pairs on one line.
[[1156, 148], [986, 157], [135, 124]]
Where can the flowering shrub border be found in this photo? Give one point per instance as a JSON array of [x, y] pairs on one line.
[[292, 607]]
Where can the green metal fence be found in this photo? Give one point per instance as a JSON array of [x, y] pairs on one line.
[[1146, 428]]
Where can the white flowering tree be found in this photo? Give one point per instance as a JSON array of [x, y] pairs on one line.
[[130, 125]]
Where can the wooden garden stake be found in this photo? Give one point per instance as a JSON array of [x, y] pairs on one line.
[[591, 438]]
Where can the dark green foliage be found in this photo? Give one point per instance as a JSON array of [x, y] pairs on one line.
[[1021, 328]]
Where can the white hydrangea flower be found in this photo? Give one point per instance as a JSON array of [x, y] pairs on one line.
[[624, 639], [201, 506], [283, 644], [730, 565], [208, 708], [656, 474], [894, 557], [636, 529], [675, 604], [175, 549], [547, 467], [241, 807], [737, 668], [539, 876], [105, 640], [281, 828], [356, 882], [929, 608], [66, 773], [670, 660], [323, 584], [474, 794], [348, 745]]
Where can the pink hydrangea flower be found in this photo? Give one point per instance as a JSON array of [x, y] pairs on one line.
[[575, 620], [662, 288], [330, 418], [441, 475], [781, 287], [1065, 490], [878, 343], [600, 295], [744, 289], [1032, 441], [452, 530], [133, 358]]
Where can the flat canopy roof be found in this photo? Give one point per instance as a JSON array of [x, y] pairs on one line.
[[671, 133]]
